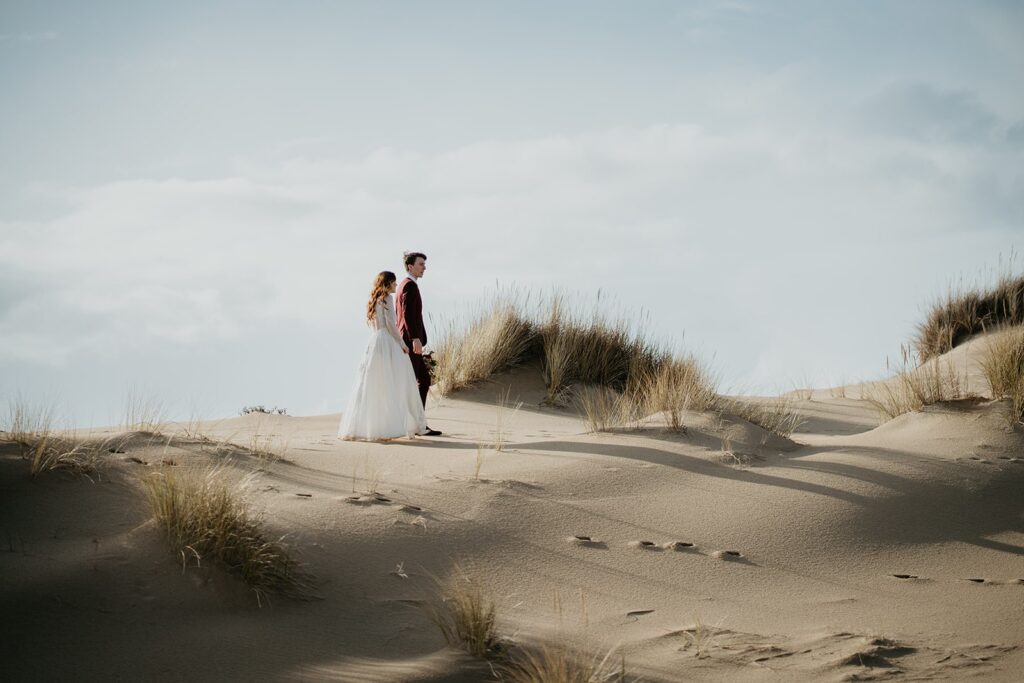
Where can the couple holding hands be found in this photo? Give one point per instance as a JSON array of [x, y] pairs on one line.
[[393, 379]]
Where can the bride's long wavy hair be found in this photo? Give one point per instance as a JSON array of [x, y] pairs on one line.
[[381, 290]]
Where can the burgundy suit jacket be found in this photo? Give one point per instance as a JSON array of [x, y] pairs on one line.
[[409, 311]]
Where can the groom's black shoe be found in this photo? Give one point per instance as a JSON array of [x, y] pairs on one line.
[[431, 432]]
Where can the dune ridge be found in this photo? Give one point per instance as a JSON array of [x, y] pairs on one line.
[[851, 550]]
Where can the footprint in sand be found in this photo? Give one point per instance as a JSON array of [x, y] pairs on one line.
[[587, 541], [639, 613], [683, 547], [646, 545], [729, 555], [370, 499]]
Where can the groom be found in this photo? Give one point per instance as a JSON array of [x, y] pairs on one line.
[[410, 323]]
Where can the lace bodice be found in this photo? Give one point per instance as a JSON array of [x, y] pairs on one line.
[[386, 320]]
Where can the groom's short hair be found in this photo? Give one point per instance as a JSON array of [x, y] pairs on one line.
[[411, 256]]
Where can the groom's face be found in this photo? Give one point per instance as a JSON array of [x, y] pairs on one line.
[[416, 269]]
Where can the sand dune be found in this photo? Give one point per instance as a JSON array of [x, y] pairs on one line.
[[850, 552]]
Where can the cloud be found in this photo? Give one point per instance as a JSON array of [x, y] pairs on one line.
[[716, 233], [922, 111]]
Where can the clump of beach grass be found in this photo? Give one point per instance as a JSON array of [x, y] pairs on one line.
[[205, 517], [916, 385], [668, 385], [777, 415], [67, 454], [679, 384], [572, 348], [494, 338], [966, 311], [592, 349], [561, 664], [602, 407], [31, 427], [1003, 367], [466, 615], [143, 412], [701, 638]]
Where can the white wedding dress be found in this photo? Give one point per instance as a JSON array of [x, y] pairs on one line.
[[385, 402]]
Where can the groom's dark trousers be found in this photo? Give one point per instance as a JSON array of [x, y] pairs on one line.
[[409, 311]]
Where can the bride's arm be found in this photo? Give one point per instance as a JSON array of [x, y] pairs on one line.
[[392, 328]]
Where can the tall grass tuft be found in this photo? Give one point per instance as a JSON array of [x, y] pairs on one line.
[[965, 312], [602, 408], [31, 427], [495, 338], [62, 454], [559, 664], [778, 416], [916, 385], [466, 616], [143, 413], [591, 349], [504, 411], [679, 384], [572, 348], [1003, 366], [206, 517]]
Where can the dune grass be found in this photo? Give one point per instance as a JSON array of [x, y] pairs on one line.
[[143, 413], [560, 664], [678, 384], [603, 408], [494, 338], [67, 454], [779, 416], [504, 412], [466, 615], [605, 364], [30, 426], [205, 517], [1003, 367], [670, 385], [916, 385], [964, 312], [572, 348]]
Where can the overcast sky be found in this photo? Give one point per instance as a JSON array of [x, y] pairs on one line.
[[195, 196]]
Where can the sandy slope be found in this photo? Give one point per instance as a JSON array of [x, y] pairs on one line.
[[822, 525]]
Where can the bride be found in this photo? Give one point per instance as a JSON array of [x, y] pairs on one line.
[[385, 403]]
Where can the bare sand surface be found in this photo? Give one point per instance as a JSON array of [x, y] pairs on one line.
[[850, 552]]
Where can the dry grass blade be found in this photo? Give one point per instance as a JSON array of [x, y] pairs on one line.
[[466, 616], [504, 412], [205, 516], [559, 664], [1003, 366]]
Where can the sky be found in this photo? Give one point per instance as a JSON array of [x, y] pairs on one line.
[[195, 197]]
